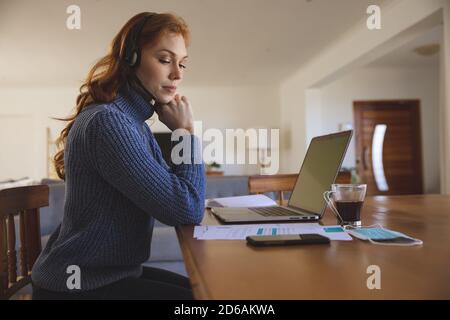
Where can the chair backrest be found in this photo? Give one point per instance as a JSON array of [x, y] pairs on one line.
[[281, 183], [344, 177], [272, 183], [23, 202]]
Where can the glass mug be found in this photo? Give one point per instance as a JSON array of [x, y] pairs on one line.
[[346, 201]]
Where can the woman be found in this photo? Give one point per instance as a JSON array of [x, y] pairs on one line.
[[117, 182]]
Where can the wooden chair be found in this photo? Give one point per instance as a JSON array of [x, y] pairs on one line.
[[278, 183], [344, 177], [281, 183], [23, 202]]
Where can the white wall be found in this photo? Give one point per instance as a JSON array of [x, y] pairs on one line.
[[217, 107], [388, 83], [16, 148], [38, 105]]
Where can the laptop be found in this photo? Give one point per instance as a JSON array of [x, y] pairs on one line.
[[319, 170]]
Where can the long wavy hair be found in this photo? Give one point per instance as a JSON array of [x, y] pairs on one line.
[[111, 73]]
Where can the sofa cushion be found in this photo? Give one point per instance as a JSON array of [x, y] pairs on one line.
[[52, 215], [174, 266], [165, 246], [226, 186]]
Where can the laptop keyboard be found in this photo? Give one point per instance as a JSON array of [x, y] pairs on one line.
[[274, 211]]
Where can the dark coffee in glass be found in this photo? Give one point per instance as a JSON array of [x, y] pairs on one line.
[[349, 210], [346, 200]]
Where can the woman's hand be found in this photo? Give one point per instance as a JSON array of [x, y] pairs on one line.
[[177, 114]]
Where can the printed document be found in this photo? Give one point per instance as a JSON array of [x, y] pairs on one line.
[[241, 231]]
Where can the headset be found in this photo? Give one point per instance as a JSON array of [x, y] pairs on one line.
[[132, 53]]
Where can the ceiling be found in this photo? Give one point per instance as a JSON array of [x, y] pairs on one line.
[[405, 57], [233, 42]]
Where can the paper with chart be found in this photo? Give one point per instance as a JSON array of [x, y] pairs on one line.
[[240, 232]]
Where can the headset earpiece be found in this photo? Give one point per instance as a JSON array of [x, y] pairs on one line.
[[132, 55], [134, 58]]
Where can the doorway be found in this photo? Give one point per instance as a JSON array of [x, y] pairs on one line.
[[388, 146]]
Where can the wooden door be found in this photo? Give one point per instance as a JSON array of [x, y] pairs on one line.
[[388, 146]]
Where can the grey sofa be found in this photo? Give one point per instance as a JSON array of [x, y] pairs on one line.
[[165, 250]]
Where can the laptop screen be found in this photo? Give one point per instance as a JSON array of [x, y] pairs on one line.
[[320, 167]]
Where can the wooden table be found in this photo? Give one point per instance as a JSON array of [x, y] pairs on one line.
[[230, 269]]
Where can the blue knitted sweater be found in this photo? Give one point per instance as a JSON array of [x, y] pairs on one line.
[[117, 183]]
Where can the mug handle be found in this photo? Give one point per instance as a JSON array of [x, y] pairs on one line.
[[326, 196]]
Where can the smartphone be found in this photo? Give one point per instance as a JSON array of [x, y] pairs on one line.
[[282, 240]]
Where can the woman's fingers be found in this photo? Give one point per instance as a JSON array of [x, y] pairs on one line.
[[177, 113], [178, 101]]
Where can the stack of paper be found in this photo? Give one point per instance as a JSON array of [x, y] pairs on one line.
[[256, 200], [241, 231]]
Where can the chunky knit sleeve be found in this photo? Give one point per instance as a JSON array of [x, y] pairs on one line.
[[122, 157]]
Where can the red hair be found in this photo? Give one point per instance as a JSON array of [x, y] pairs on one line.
[[111, 73]]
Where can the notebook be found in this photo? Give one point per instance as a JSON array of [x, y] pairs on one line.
[[255, 200]]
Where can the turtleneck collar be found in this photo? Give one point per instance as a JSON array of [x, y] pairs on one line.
[[134, 105]]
